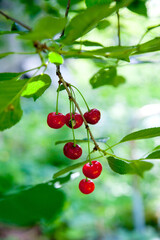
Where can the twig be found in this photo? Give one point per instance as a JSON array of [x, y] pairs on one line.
[[76, 104], [66, 15], [118, 28], [15, 20]]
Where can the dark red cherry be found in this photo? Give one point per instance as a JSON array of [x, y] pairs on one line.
[[56, 120], [77, 120], [71, 151], [92, 170], [86, 186], [92, 116]]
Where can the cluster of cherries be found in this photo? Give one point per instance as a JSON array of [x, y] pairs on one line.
[[73, 151]]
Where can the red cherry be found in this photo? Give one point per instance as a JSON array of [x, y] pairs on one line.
[[55, 120], [77, 120], [92, 116], [72, 152], [92, 171], [86, 186]]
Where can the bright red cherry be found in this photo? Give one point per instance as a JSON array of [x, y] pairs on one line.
[[77, 120], [55, 120], [92, 116], [71, 151], [92, 170], [86, 186]]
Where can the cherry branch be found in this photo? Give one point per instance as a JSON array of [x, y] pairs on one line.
[[66, 15], [66, 85], [15, 20]]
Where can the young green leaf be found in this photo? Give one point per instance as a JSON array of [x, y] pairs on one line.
[[154, 155], [37, 86], [88, 19], [55, 58], [39, 203], [45, 28], [142, 134]]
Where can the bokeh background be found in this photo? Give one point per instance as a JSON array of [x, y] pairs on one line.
[[121, 207]]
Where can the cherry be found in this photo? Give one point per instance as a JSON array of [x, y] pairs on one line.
[[77, 120], [71, 151], [92, 170], [86, 186], [55, 120], [92, 116]]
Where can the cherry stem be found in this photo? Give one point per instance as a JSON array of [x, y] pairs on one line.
[[73, 107], [82, 97], [76, 104], [58, 89], [74, 139], [89, 148]]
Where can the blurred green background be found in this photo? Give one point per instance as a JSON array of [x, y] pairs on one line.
[[121, 207]]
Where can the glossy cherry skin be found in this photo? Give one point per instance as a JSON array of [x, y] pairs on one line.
[[92, 171], [56, 120], [76, 119], [86, 186], [72, 152], [92, 116]]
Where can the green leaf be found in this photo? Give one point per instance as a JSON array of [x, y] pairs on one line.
[[142, 134], [135, 167], [40, 203], [61, 88], [5, 76], [37, 86], [55, 58], [138, 6], [103, 24], [154, 155], [10, 110], [85, 140], [89, 43], [118, 52], [90, 3], [9, 32], [139, 167], [45, 28], [88, 19], [68, 169], [106, 76], [150, 46], [119, 166], [156, 148], [62, 180], [2, 55], [11, 115]]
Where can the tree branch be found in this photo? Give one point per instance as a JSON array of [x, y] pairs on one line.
[[65, 84], [15, 20], [66, 15]]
